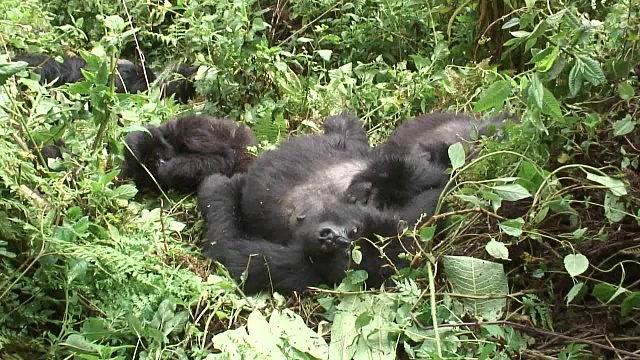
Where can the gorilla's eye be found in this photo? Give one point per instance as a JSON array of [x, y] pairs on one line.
[[324, 233], [353, 232]]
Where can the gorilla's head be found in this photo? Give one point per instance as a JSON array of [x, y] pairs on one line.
[[150, 149]]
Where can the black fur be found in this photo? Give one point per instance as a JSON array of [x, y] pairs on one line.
[[318, 252], [293, 209], [130, 78], [182, 152], [429, 136], [180, 84]]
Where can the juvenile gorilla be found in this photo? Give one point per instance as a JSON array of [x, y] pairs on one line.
[[318, 252], [182, 152], [179, 83], [291, 212], [429, 136], [130, 78]]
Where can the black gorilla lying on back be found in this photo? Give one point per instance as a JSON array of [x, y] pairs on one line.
[[289, 210], [182, 152]]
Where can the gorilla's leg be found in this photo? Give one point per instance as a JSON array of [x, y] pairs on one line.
[[347, 128], [287, 268], [398, 183]]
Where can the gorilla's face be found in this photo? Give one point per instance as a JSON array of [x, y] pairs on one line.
[[331, 230], [151, 150]]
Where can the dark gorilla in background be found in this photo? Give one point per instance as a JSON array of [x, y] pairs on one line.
[[130, 78], [179, 84], [182, 152], [289, 209]]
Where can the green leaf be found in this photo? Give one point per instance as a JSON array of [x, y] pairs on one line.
[[546, 63], [325, 54], [613, 208], [457, 155], [520, 34], [616, 186], [575, 290], [629, 303], [551, 106], [576, 264], [512, 227], [427, 233], [78, 268], [124, 192], [356, 255], [494, 97], [625, 90], [9, 69], [497, 249], [536, 91], [471, 276], [624, 126], [512, 192], [114, 22], [575, 78], [592, 70], [511, 23], [554, 19]]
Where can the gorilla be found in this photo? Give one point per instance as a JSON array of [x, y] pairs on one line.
[[182, 152], [312, 257], [180, 84], [130, 78], [429, 136], [290, 210]]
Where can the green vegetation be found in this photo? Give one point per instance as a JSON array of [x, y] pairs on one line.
[[541, 255]]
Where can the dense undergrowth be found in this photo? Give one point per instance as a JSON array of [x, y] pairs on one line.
[[540, 258]]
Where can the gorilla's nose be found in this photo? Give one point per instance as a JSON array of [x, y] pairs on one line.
[[330, 234]]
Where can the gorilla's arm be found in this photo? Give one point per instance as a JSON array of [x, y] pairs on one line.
[[288, 269], [188, 170]]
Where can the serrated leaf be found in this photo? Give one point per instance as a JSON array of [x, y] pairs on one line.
[[575, 290], [614, 185], [494, 97], [497, 249], [575, 78], [554, 19], [325, 54], [576, 264], [592, 70], [625, 91], [624, 126], [512, 227], [551, 106], [512, 192], [456, 155]]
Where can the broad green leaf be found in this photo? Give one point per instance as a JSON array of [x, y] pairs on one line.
[[497, 249], [576, 264], [539, 30], [78, 267], [494, 97], [427, 233], [545, 63], [551, 106], [616, 186], [575, 290], [625, 91], [114, 22], [613, 208], [513, 192], [124, 192], [297, 334], [512, 227], [624, 126], [9, 69], [629, 303], [325, 54], [356, 255], [471, 276], [578, 234], [554, 19], [457, 155]]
